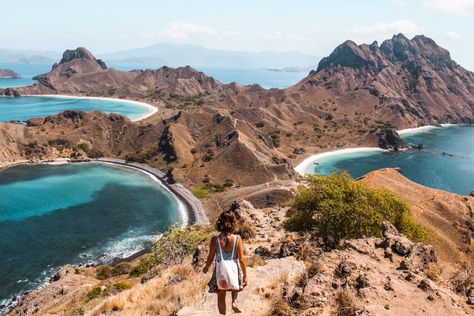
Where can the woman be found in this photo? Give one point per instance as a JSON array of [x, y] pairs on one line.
[[226, 240]]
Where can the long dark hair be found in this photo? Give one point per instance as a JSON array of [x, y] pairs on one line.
[[227, 222]]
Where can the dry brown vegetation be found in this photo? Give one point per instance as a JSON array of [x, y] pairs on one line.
[[176, 287]]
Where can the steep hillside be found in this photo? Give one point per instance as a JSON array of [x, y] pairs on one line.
[[406, 81], [450, 216]]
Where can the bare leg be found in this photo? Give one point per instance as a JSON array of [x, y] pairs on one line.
[[235, 307], [221, 302]]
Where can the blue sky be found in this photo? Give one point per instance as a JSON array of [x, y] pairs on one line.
[[310, 26]]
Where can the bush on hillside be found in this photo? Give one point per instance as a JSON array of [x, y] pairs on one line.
[[178, 243], [336, 207], [172, 248]]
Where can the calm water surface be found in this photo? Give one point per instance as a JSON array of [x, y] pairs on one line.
[[51, 215]]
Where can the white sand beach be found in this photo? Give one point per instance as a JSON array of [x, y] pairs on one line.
[[150, 108], [415, 130], [303, 166]]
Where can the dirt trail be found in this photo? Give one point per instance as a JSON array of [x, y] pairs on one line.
[[252, 300]]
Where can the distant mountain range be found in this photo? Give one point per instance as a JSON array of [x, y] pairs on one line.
[[175, 55], [16, 56]]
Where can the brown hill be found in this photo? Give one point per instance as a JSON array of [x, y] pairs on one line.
[[351, 98], [411, 81], [448, 215]]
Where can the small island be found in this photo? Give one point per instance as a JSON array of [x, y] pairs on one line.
[[9, 74]]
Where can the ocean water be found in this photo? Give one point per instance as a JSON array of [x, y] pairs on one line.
[[446, 162], [266, 78], [24, 108], [27, 73], [51, 215]]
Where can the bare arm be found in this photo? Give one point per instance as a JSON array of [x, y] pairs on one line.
[[210, 257], [243, 263]]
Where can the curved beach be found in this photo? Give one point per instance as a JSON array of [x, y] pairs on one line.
[[190, 207], [303, 166], [150, 108]]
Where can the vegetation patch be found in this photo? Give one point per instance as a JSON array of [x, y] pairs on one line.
[[95, 293], [336, 207], [203, 191], [172, 248], [122, 286]]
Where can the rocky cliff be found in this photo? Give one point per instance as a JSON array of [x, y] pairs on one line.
[[410, 80], [356, 92]]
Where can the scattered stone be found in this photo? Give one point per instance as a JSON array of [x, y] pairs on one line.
[[263, 252], [386, 306], [388, 286], [362, 281], [288, 249], [425, 285]]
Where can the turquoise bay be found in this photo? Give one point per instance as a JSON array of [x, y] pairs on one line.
[[446, 161], [51, 215], [24, 108]]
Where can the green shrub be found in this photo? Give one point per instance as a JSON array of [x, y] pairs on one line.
[[142, 268], [200, 193], [176, 244], [204, 191], [336, 207], [94, 293], [84, 147], [172, 248], [122, 286]]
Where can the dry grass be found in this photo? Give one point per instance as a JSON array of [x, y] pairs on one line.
[[255, 261], [434, 272], [178, 286], [463, 279], [279, 281], [345, 303], [280, 307]]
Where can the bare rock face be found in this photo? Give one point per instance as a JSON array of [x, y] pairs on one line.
[[389, 139], [80, 53], [414, 80]]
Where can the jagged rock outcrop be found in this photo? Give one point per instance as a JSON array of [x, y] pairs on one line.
[[412, 80], [9, 74], [389, 139], [79, 53]]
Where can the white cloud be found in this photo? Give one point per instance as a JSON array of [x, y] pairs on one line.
[[183, 30], [453, 36], [456, 7], [385, 30]]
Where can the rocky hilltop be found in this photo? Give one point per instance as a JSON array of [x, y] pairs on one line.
[[289, 274], [9, 74], [358, 96], [411, 80]]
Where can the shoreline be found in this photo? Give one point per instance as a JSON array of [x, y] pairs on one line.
[[151, 109], [303, 166], [189, 207], [420, 129]]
